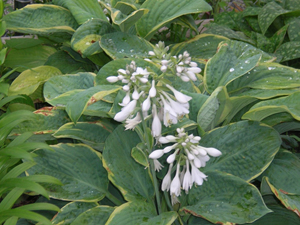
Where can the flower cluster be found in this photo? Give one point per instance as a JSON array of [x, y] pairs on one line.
[[180, 65], [146, 92], [187, 151]]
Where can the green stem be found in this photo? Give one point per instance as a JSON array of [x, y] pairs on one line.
[[153, 173], [113, 199]]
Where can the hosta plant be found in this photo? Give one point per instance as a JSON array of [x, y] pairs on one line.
[[157, 134]]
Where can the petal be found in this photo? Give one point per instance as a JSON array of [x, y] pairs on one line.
[[112, 79], [156, 154], [182, 98]]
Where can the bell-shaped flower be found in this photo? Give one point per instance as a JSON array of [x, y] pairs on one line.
[[132, 123], [197, 175], [182, 98], [156, 154], [146, 104], [125, 100], [125, 111], [135, 94], [156, 124], [167, 139], [165, 186], [212, 151], [157, 165], [152, 91], [175, 187], [112, 79], [187, 182], [169, 148]]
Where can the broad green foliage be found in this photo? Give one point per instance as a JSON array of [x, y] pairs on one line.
[[271, 27], [34, 19], [244, 107], [161, 13], [241, 203], [79, 168], [131, 178]]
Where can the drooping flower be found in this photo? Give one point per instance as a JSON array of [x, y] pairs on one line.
[[167, 180], [187, 148], [175, 187], [125, 111]]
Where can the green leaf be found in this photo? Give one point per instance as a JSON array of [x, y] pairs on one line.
[[86, 38], [97, 215], [2, 55], [289, 50], [283, 173], [139, 155], [214, 110], [24, 183], [34, 19], [71, 211], [55, 87], [67, 63], [9, 121], [236, 201], [267, 108], [123, 45], [125, 22], [27, 58], [162, 12], [279, 216], [82, 10], [93, 134], [21, 213], [135, 212], [195, 103], [202, 46], [79, 168], [46, 121], [233, 60], [268, 14], [291, 202], [247, 148], [29, 80], [292, 29], [80, 101], [131, 178], [268, 76], [213, 28]]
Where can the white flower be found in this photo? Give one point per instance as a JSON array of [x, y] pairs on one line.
[[212, 151], [175, 187], [135, 94], [112, 79], [169, 148], [146, 104], [125, 100], [167, 139], [182, 98], [125, 111], [132, 123], [197, 175], [163, 68], [187, 182], [152, 91], [156, 154], [167, 180], [141, 71], [156, 124], [157, 165], [122, 71], [151, 53]]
